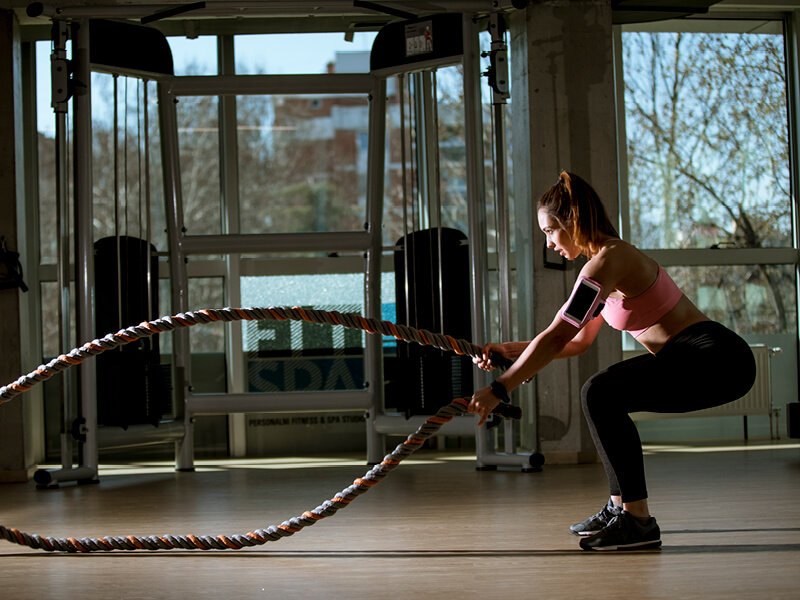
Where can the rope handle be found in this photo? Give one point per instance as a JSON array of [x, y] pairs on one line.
[[508, 411]]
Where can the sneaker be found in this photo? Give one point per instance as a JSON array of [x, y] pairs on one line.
[[598, 521], [625, 533]]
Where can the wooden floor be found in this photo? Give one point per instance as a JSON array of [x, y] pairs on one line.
[[435, 528]]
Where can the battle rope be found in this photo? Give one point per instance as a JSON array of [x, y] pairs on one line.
[[188, 319], [287, 528]]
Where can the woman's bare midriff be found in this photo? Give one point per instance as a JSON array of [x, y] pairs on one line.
[[682, 315]]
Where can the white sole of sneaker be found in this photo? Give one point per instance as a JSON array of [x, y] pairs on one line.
[[637, 546]]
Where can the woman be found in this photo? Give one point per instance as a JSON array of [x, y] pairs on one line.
[[694, 363]]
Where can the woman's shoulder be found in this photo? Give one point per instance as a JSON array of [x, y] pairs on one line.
[[623, 265], [616, 249], [615, 244]]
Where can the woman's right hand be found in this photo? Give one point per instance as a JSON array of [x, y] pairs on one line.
[[487, 352], [483, 402]]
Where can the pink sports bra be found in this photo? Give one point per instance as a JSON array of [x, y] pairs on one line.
[[636, 315]]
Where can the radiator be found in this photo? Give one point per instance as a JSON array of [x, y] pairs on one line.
[[758, 401]]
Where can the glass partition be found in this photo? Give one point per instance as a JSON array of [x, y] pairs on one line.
[[300, 356], [198, 138], [302, 163]]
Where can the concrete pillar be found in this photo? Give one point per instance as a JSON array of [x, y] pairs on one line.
[[21, 419], [563, 95]]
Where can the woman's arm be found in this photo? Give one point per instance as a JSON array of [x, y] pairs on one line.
[[513, 350], [508, 350], [581, 342], [537, 355], [544, 348], [560, 340]]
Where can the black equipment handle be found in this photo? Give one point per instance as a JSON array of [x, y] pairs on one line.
[[500, 361], [508, 411]]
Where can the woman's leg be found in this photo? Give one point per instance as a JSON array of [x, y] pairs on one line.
[[705, 366], [613, 431]]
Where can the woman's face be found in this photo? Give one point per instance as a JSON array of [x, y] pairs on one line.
[[558, 238]]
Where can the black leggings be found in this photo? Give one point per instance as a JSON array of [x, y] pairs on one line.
[[705, 365]]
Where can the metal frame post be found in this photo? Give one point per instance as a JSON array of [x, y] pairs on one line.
[[84, 246], [476, 214], [499, 96], [60, 103], [484, 441], [229, 183], [792, 36], [372, 282], [179, 280]]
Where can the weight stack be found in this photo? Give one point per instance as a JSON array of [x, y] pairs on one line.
[[133, 387], [422, 379]]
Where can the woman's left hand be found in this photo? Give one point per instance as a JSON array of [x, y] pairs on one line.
[[482, 403]]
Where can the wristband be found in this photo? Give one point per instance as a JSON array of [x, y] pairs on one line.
[[499, 390]]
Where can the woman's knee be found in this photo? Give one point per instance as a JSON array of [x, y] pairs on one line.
[[597, 394]]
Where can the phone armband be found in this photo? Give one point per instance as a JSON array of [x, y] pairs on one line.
[[585, 302]]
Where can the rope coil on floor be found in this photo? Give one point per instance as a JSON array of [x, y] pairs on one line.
[[274, 532], [254, 538]]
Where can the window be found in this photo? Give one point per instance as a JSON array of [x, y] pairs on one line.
[[196, 56], [708, 164], [301, 167], [708, 152], [302, 53], [749, 299], [198, 138]]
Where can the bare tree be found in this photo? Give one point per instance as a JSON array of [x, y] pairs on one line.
[[708, 158]]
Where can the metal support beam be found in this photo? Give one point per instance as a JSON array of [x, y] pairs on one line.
[[229, 182], [179, 280], [255, 243], [277, 402], [84, 244], [476, 213], [244, 85], [372, 281]]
